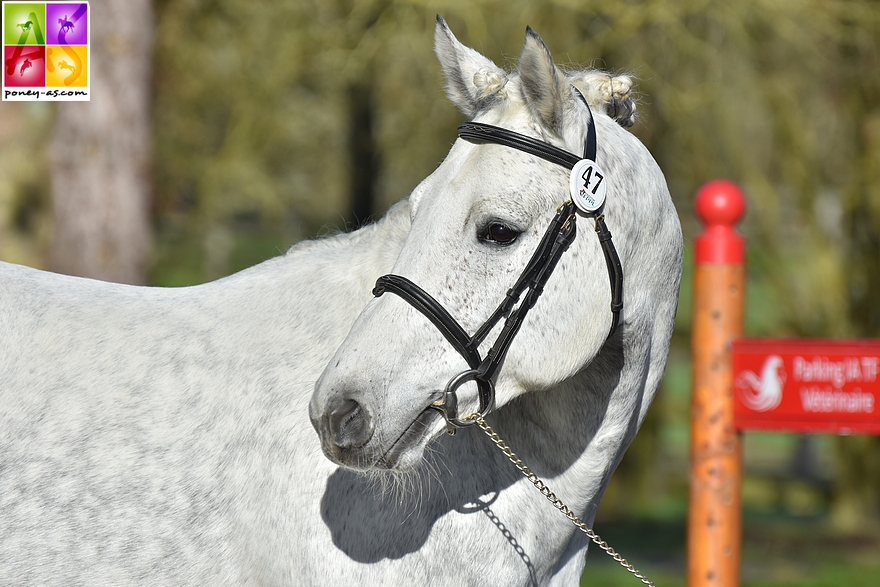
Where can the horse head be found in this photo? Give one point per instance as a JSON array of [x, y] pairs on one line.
[[475, 224]]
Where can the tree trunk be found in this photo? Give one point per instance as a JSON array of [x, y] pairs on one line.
[[101, 153], [363, 153]]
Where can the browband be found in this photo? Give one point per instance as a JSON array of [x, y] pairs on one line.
[[477, 132]]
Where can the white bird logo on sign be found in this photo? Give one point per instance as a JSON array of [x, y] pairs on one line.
[[764, 393]]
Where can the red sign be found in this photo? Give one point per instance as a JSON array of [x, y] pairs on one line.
[[807, 385]]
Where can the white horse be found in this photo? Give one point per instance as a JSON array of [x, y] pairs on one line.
[[162, 437]]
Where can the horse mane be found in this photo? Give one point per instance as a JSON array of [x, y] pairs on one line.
[[609, 92]]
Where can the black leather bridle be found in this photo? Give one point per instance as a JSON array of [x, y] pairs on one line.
[[559, 235]]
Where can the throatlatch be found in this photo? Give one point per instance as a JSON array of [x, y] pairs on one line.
[[587, 187]]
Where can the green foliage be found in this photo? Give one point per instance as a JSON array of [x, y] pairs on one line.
[[252, 117], [25, 225]]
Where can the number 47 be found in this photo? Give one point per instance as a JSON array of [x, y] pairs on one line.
[[588, 176]]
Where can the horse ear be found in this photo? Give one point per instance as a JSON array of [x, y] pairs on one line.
[[472, 81], [545, 89]]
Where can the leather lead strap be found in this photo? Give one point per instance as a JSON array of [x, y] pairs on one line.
[[615, 271]]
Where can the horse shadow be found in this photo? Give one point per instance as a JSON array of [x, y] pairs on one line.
[[465, 473]]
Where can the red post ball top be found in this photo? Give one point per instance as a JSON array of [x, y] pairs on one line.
[[720, 204]]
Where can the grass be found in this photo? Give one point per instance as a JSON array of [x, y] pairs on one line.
[[779, 550]]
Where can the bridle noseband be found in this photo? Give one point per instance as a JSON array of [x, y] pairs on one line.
[[586, 181]]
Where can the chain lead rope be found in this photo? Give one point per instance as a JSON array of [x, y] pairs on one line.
[[555, 501]]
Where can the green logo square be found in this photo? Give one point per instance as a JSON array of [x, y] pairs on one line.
[[24, 23]]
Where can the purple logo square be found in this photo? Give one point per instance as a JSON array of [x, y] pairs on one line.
[[67, 24]]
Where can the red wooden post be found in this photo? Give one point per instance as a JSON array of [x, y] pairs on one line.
[[714, 519]]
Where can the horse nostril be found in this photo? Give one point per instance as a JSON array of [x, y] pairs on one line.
[[350, 425]]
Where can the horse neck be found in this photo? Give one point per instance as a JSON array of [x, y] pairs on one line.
[[331, 278], [573, 435], [353, 259], [310, 296]]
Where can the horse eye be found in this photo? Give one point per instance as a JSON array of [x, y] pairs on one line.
[[499, 234]]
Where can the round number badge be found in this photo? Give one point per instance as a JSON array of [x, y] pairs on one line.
[[587, 185]]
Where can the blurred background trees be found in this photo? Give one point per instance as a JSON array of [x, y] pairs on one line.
[[276, 120]]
